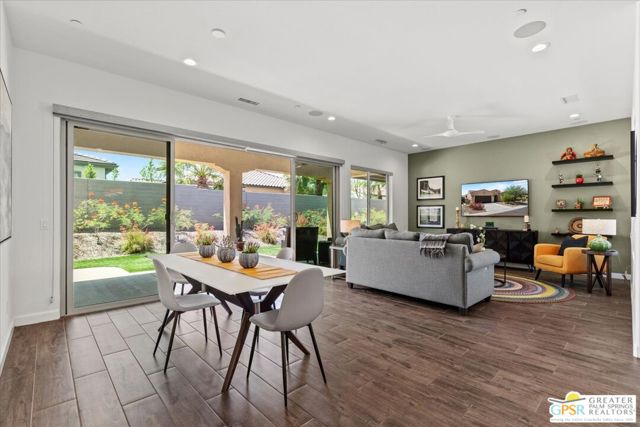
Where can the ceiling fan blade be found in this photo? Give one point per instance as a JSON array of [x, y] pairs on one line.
[[445, 134]]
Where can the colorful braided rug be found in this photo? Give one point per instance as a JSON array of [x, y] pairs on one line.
[[528, 291]]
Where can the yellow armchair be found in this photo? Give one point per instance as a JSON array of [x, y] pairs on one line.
[[546, 258]]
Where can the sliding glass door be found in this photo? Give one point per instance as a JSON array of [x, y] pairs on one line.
[[117, 202], [369, 196]]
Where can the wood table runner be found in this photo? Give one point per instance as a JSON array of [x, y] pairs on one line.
[[261, 271]]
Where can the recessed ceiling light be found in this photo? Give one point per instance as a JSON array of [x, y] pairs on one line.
[[381, 141], [574, 116], [522, 11], [315, 113], [331, 118], [190, 62], [540, 47], [75, 21], [529, 29], [218, 33], [415, 145]]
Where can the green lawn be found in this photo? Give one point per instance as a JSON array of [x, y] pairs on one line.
[[269, 249], [131, 263]]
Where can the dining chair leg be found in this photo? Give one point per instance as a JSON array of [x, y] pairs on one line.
[[253, 348], [215, 322], [164, 323], [283, 339], [204, 320], [287, 348], [315, 347], [173, 333]]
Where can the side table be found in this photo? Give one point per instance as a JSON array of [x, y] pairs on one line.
[[604, 268], [335, 252]]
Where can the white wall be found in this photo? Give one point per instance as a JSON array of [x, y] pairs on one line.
[[41, 81], [635, 222], [6, 315]]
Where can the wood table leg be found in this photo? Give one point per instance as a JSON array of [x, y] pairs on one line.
[[608, 284], [235, 356], [224, 305], [294, 339], [590, 261]]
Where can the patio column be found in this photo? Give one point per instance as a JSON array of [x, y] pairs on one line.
[[232, 200]]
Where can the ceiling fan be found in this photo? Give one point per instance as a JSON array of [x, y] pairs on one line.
[[452, 132]]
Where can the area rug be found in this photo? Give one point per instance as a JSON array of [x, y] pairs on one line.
[[528, 291]]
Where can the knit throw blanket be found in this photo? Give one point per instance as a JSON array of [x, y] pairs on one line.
[[433, 245]]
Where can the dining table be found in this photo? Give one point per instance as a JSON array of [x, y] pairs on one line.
[[234, 286]]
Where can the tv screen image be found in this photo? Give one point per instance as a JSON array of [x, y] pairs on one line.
[[498, 198]]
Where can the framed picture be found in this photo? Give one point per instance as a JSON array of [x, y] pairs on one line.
[[431, 188], [430, 216], [5, 161], [602, 202]]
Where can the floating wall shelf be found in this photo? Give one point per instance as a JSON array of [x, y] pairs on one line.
[[582, 210], [586, 184], [583, 160]]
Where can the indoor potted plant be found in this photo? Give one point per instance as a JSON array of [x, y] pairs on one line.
[[226, 250], [579, 203], [206, 239], [249, 257], [579, 178], [239, 241]]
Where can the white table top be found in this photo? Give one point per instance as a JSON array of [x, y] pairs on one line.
[[231, 282]]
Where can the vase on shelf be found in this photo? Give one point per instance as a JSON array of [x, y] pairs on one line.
[[599, 244], [579, 179]]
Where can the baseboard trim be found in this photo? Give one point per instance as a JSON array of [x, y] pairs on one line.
[[4, 347], [43, 316], [620, 276]]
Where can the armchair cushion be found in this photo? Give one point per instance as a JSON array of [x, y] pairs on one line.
[[554, 260], [571, 242]]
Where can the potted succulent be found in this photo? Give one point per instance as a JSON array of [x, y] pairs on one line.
[[249, 257], [205, 239], [579, 178], [239, 241], [226, 250], [579, 203]]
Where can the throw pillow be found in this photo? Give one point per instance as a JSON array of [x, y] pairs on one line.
[[462, 239], [570, 242], [391, 226], [371, 234], [401, 235]]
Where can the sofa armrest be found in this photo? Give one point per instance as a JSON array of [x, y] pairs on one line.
[[574, 260], [545, 249], [482, 259]]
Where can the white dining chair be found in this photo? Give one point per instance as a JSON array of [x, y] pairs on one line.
[[302, 304], [177, 278], [284, 253], [180, 304]]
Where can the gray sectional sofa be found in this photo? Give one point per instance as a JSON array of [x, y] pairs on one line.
[[391, 261]]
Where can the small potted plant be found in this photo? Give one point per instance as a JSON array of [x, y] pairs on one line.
[[579, 203], [249, 257], [579, 178], [226, 250], [205, 239], [239, 241]]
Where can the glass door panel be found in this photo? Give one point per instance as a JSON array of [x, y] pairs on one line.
[[118, 215], [359, 194], [314, 211], [377, 198]]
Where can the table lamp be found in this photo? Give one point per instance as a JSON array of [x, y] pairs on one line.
[[599, 227], [346, 225]]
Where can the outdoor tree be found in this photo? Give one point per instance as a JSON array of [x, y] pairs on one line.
[[152, 173], [206, 177], [514, 193], [89, 172], [115, 173]]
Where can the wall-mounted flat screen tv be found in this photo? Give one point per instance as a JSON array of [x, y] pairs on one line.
[[498, 198]]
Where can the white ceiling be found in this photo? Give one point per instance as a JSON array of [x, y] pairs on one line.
[[386, 69]]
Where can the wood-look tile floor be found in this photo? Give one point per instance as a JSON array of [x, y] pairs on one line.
[[390, 361]]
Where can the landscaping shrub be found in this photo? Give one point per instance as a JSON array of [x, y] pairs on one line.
[[136, 241], [476, 206], [267, 233], [265, 215], [313, 218], [94, 215]]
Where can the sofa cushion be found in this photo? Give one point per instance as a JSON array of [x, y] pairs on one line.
[[391, 226], [553, 260], [370, 234], [570, 242], [462, 239], [401, 235]]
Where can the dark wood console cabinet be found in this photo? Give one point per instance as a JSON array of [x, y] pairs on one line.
[[515, 245]]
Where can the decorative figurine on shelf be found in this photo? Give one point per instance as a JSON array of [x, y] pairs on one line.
[[579, 203], [560, 178], [568, 154], [595, 151], [579, 178], [556, 231], [598, 174], [561, 204]]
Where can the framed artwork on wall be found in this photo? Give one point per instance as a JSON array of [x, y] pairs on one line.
[[602, 202], [430, 216], [431, 188], [5, 161]]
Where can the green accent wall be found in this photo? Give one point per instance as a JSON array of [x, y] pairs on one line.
[[529, 157]]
